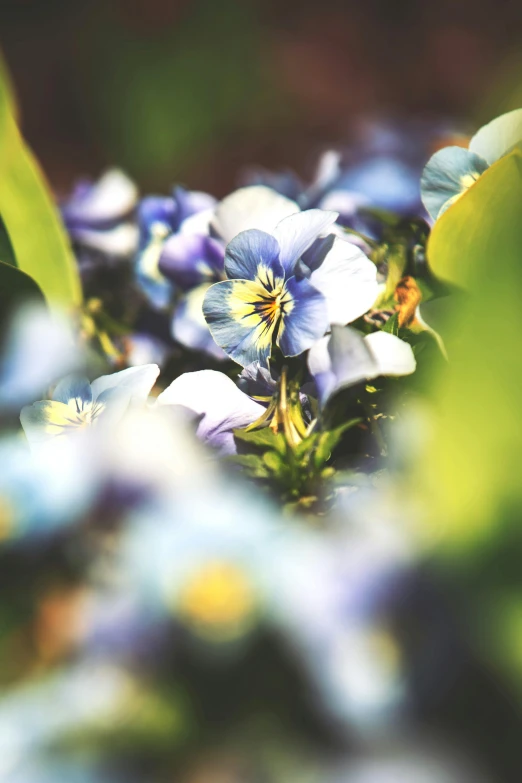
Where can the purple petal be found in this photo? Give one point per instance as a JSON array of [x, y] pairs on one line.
[[190, 259], [217, 399]]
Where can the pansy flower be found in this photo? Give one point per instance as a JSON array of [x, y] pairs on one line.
[[287, 287], [77, 405], [452, 170], [160, 218], [189, 256], [99, 216]]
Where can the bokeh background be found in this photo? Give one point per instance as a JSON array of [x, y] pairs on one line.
[[195, 90]]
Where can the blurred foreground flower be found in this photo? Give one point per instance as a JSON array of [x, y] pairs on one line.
[[39, 347], [77, 404]]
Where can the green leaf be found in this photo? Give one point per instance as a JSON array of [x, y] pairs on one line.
[[273, 461], [264, 438], [392, 325], [7, 255], [472, 469], [327, 441], [33, 226], [251, 463], [16, 288]]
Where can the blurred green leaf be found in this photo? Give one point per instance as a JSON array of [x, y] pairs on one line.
[[472, 467], [16, 288], [7, 255], [30, 218]]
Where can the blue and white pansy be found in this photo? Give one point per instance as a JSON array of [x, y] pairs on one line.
[[78, 405], [452, 170], [286, 287], [99, 216], [188, 256]]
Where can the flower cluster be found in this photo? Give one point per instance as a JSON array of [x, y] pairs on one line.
[[206, 494]]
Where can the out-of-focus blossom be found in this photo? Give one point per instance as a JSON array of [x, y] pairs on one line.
[[380, 170], [86, 696], [452, 170], [99, 215], [77, 404], [142, 348], [346, 358], [39, 348], [222, 406], [287, 287], [410, 762], [35, 497], [211, 565], [161, 218]]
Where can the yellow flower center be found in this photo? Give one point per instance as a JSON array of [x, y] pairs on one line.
[[218, 600]]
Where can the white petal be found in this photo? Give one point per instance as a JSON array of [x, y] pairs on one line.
[[319, 360], [297, 232], [136, 381], [348, 281], [392, 355], [199, 223], [113, 194], [498, 136], [252, 207], [328, 168], [119, 241], [216, 397]]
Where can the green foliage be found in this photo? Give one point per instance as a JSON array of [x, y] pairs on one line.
[[16, 288], [296, 471], [33, 237], [477, 451], [468, 477]]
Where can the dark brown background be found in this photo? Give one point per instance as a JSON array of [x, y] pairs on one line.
[[192, 91]]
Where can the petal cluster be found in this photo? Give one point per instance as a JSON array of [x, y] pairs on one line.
[[286, 287]]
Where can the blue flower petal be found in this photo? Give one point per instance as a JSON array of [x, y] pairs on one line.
[[190, 202], [249, 251], [305, 321], [296, 233], [157, 209], [154, 285], [191, 259], [447, 175], [74, 389], [231, 312]]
